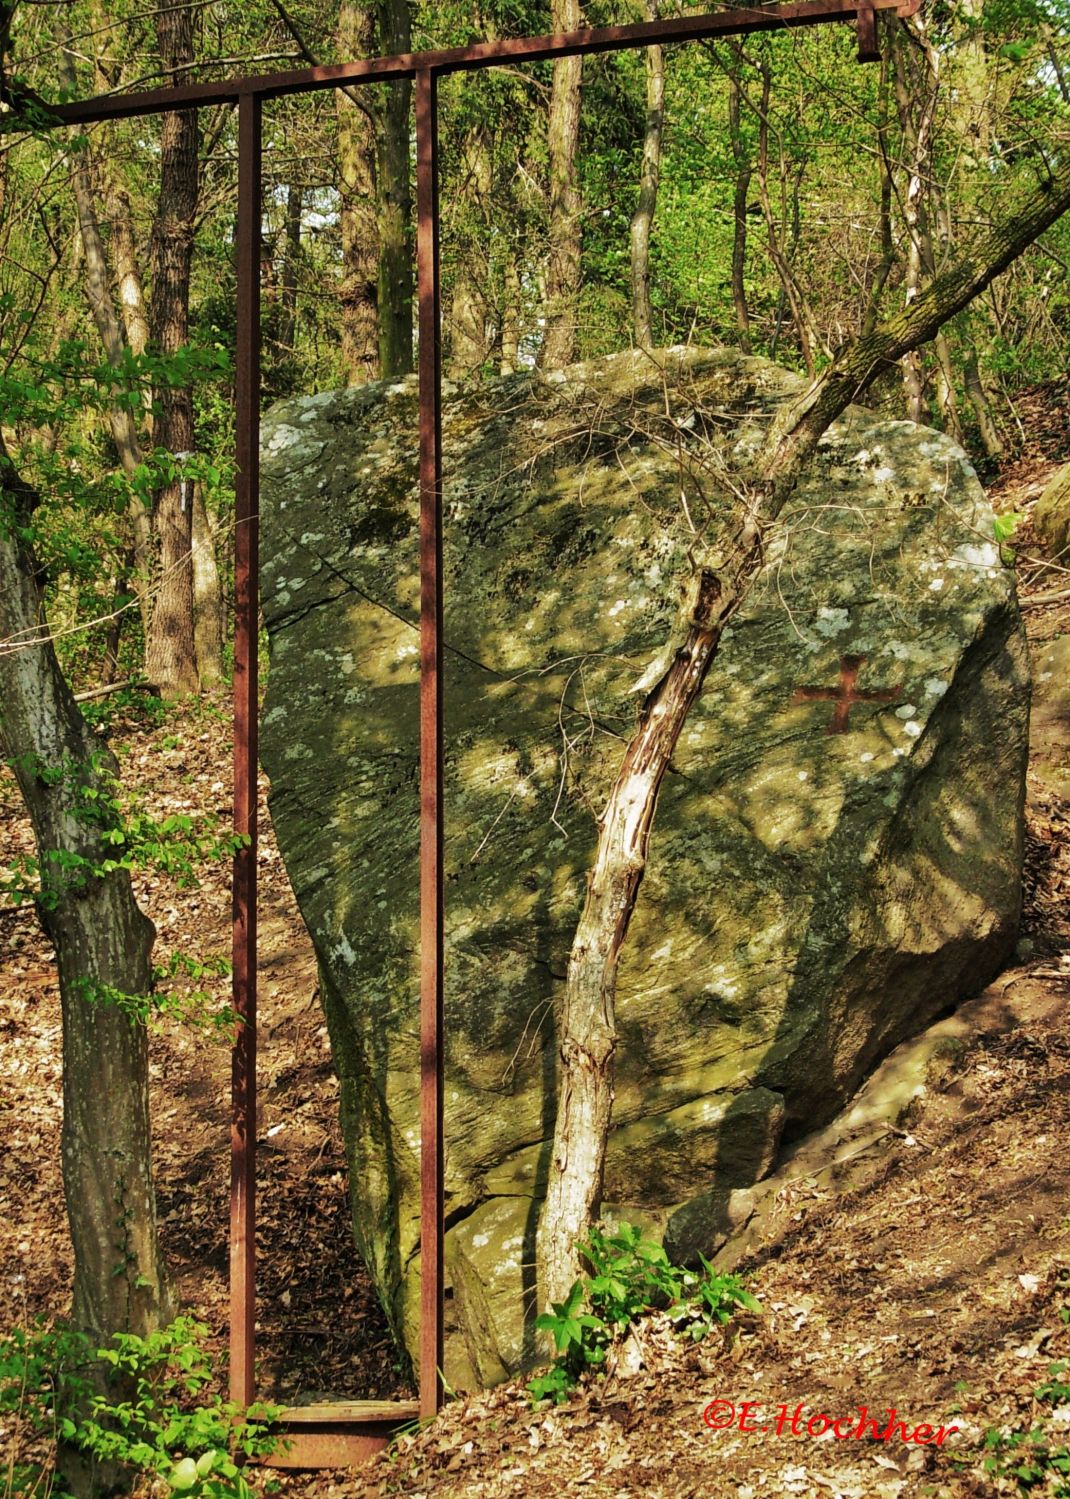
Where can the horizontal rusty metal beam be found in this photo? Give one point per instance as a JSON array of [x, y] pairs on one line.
[[342, 1435], [479, 55]]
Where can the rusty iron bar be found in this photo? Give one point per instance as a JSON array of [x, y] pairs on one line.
[[482, 55], [246, 609], [248, 93], [431, 805], [868, 50]]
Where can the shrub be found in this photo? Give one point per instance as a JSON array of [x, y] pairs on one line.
[[630, 1277], [157, 1416]]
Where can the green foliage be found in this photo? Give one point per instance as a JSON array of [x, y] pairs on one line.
[[157, 1416], [197, 1008], [630, 1276], [175, 845], [1033, 1457]]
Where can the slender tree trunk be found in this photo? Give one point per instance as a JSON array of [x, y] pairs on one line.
[[395, 203], [171, 656], [209, 622], [917, 106], [110, 668], [888, 255], [98, 295], [468, 304], [982, 409], [719, 586], [740, 193], [511, 294], [566, 203], [127, 270], [805, 326], [359, 223], [291, 253], [103, 942], [649, 172]]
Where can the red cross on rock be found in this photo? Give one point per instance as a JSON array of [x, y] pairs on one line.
[[845, 693]]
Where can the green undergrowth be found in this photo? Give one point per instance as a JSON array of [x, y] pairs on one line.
[[630, 1277], [145, 1406], [1037, 1459]]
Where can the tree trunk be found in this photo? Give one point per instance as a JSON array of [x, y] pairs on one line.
[[917, 106], [649, 172], [566, 203], [741, 191], [110, 668], [290, 255], [127, 271], [395, 203], [359, 225], [171, 657], [588, 1027], [511, 295], [468, 304], [98, 295], [102, 942], [209, 615], [802, 316], [982, 409]]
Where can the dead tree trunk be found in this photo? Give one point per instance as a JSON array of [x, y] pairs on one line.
[[721, 583]]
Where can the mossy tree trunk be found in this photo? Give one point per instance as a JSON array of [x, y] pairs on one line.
[[103, 942]]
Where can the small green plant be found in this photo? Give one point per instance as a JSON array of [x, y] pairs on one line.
[[1003, 528], [630, 1276], [1033, 1457], [157, 1415]]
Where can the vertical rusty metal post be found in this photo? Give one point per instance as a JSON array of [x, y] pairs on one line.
[[246, 566], [431, 809], [868, 47]]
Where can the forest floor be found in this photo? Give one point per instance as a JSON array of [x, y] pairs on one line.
[[940, 1288]]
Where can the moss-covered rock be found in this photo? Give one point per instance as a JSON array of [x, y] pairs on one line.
[[811, 896], [1051, 517]]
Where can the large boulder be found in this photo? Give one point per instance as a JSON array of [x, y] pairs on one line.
[[837, 849]]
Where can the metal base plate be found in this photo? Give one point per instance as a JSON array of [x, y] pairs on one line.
[[339, 1434]]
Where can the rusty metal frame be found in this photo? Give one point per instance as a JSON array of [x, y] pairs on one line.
[[329, 1435]]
